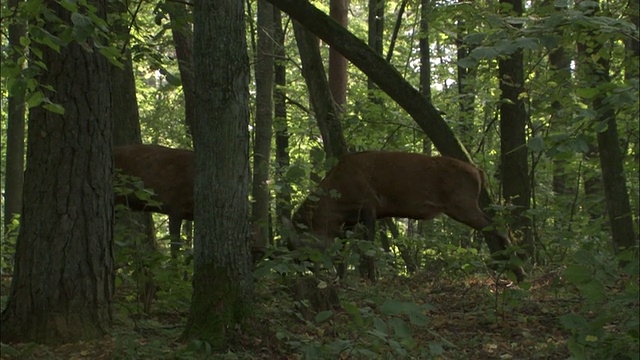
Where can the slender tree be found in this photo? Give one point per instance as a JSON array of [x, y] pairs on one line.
[[283, 197], [596, 72], [338, 10], [375, 33], [514, 168], [263, 126], [222, 279], [326, 111], [63, 280], [183, 43]]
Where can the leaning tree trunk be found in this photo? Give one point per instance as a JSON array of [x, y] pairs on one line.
[[223, 279], [391, 82], [327, 113], [63, 282]]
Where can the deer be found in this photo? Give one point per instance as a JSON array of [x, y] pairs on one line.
[[169, 173], [366, 186]]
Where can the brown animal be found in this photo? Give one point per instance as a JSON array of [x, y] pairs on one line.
[[367, 186], [169, 173]]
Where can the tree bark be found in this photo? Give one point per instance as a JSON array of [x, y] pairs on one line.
[[14, 157], [183, 42], [223, 279], [327, 113], [63, 282], [263, 127], [283, 197], [392, 83], [466, 77], [375, 34], [339, 11], [514, 168]]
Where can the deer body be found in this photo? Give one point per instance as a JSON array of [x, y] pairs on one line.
[[367, 186], [169, 173]]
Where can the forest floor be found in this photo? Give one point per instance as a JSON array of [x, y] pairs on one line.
[[423, 316]]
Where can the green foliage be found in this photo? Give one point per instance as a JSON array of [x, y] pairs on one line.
[[8, 246], [606, 325]]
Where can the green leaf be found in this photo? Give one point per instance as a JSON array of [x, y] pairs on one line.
[[173, 80], [536, 144], [44, 37], [35, 99], [392, 307], [577, 274], [467, 62], [400, 328], [380, 325], [573, 321], [323, 316], [593, 290], [70, 5], [527, 43], [587, 93], [484, 52], [475, 39], [112, 54], [83, 27], [54, 108]]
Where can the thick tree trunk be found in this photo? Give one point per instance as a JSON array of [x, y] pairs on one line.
[[14, 157], [262, 130], [392, 83], [63, 282], [223, 279], [327, 113]]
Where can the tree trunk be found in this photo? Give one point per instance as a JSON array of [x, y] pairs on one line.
[[392, 83], [327, 113], [466, 77], [262, 131], [183, 42], [63, 282], [126, 130], [611, 160], [14, 157], [223, 279], [283, 197], [396, 29], [514, 168], [375, 34], [339, 11]]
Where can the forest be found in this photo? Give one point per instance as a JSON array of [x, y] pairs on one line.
[[305, 179]]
